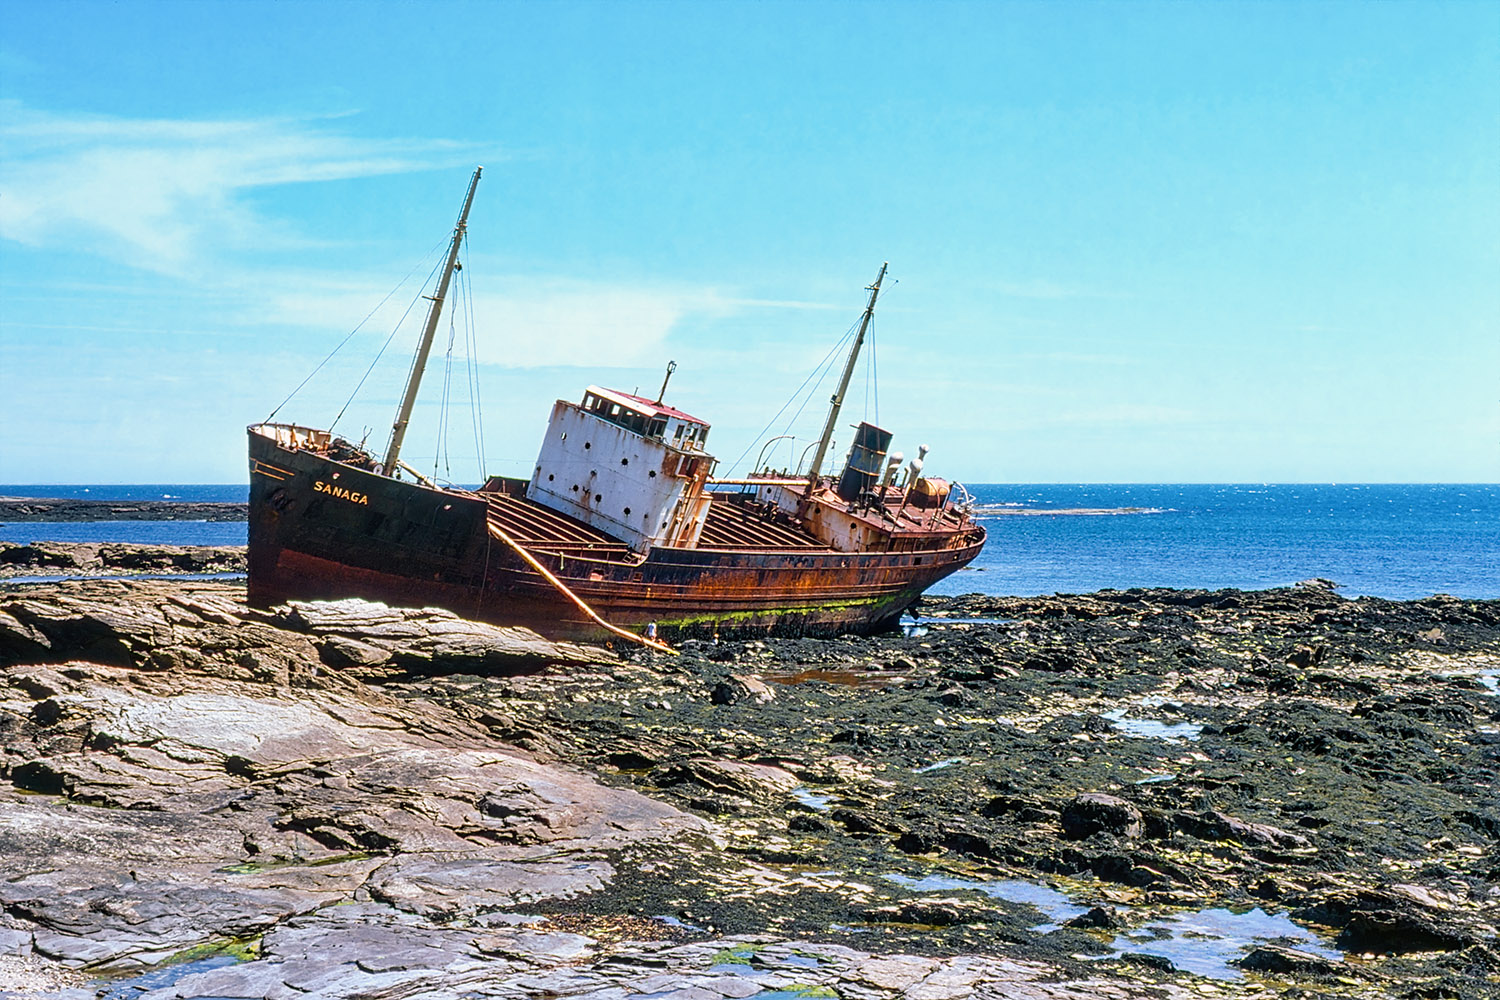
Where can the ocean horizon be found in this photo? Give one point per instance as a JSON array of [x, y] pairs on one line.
[[1398, 541]]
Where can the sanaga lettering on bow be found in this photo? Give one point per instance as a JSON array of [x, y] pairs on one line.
[[342, 493]]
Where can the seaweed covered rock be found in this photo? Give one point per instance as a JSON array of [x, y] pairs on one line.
[[1095, 812]]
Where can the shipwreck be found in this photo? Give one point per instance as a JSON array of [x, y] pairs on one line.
[[621, 529]]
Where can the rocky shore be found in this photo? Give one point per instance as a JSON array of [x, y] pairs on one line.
[[66, 509], [1125, 794]]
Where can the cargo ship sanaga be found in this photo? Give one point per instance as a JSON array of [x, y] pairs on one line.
[[621, 530]]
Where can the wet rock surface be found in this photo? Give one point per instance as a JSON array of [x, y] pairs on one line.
[[1153, 755], [1083, 796]]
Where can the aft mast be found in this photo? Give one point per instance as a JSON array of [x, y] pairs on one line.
[[409, 398], [838, 397]]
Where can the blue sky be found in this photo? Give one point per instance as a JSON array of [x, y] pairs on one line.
[[1130, 242]]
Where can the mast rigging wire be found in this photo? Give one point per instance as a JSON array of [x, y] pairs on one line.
[[391, 336], [822, 366], [476, 408], [443, 435], [463, 308], [416, 353], [350, 335], [829, 363]]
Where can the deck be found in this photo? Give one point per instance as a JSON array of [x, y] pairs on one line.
[[732, 525]]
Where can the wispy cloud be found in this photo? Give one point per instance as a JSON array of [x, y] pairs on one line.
[[176, 198], [155, 193], [528, 321]]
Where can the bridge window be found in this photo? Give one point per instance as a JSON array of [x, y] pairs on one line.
[[622, 416]]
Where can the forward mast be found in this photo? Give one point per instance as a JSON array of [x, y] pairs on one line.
[[414, 381], [837, 402]]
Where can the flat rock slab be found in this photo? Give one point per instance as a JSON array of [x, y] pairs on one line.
[[147, 809], [356, 951], [430, 638], [444, 887], [205, 627]]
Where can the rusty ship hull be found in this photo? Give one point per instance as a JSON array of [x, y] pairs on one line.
[[324, 529]]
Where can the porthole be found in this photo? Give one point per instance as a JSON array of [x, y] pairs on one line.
[[652, 474], [627, 511], [550, 477], [624, 461], [575, 487], [598, 498], [587, 445]]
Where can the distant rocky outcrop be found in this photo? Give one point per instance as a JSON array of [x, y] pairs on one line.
[[67, 509]]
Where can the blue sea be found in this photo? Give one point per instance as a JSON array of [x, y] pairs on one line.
[[1397, 541]]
